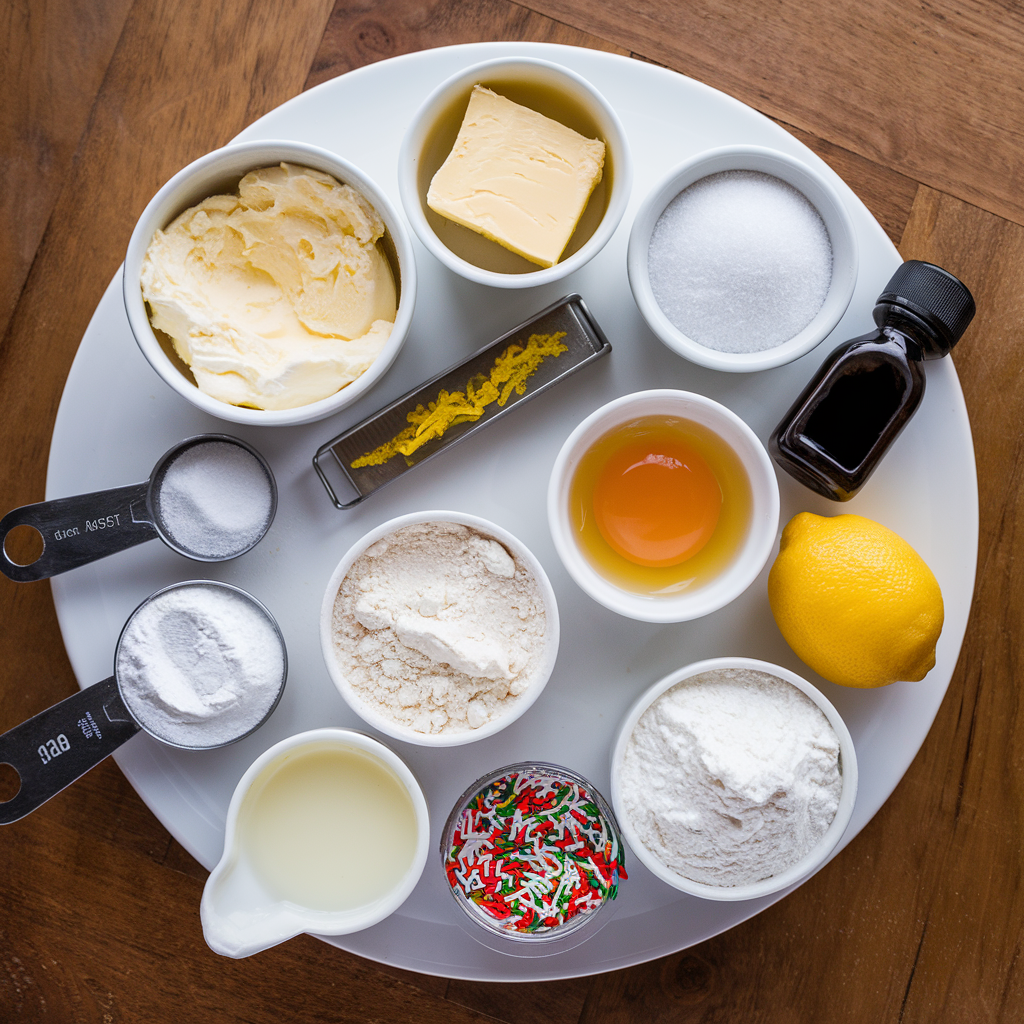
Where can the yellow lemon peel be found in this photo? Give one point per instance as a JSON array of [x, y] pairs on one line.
[[510, 373]]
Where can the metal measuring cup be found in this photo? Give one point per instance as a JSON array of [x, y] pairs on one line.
[[59, 745], [85, 527]]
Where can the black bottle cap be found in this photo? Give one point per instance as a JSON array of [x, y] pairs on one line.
[[933, 298]]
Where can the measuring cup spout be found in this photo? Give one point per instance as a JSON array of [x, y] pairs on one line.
[[61, 744], [238, 917], [78, 530]]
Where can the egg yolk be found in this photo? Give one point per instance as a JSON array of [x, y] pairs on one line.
[[657, 503]]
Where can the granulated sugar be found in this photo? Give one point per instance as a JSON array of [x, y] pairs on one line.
[[731, 777], [214, 499], [740, 261], [200, 665], [439, 628]]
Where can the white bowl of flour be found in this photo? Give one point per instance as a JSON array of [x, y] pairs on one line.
[[439, 628], [733, 779]]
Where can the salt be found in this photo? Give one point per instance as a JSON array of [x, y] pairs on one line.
[[740, 261], [214, 500], [200, 665]]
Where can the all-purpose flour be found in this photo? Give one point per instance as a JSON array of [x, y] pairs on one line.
[[731, 777], [439, 628]]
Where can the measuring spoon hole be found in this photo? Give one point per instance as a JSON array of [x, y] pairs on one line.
[[10, 782], [23, 545]]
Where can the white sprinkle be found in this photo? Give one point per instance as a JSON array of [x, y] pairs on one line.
[[214, 499], [740, 261]]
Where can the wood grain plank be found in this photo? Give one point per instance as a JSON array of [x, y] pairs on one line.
[[931, 90], [554, 1002], [365, 31], [54, 54], [132, 950], [976, 763]]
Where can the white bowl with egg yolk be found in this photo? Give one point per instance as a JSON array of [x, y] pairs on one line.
[[218, 173], [559, 94], [542, 666], [667, 600]]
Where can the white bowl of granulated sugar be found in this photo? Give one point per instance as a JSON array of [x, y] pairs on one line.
[[439, 628], [733, 779]]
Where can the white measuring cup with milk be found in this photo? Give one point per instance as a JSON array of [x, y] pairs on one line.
[[327, 832]]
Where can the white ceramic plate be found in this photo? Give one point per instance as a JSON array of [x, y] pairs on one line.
[[117, 416]]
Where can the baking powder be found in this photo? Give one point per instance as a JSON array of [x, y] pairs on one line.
[[731, 777], [439, 628]]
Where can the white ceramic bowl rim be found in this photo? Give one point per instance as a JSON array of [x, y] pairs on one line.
[[211, 171], [813, 859], [749, 560], [816, 188], [292, 919], [392, 728], [422, 122]]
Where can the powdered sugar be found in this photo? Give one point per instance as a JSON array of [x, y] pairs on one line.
[[740, 261], [200, 665], [439, 628], [731, 777]]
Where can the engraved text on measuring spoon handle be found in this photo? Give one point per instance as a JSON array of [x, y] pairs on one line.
[[79, 529], [61, 744]]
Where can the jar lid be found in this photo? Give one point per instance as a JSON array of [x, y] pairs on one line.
[[933, 298]]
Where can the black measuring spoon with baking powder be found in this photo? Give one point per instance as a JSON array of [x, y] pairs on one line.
[[58, 746], [85, 527]]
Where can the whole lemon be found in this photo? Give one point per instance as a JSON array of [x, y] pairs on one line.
[[855, 601]]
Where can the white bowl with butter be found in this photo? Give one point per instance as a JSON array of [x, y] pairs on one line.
[[540, 107], [327, 832], [269, 348]]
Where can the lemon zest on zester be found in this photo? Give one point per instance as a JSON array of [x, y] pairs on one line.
[[509, 374]]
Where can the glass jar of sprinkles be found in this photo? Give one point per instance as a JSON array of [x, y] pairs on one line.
[[532, 854]]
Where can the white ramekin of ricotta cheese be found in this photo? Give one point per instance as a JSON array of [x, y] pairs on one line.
[[733, 779], [310, 377], [439, 628]]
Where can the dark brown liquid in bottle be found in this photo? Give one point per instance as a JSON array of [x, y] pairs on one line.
[[848, 415], [853, 414], [865, 392]]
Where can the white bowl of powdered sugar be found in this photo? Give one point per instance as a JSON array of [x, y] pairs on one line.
[[733, 779], [439, 628]]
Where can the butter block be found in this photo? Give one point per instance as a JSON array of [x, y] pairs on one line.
[[517, 177]]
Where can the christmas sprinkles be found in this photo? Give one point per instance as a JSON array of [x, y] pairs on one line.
[[533, 849]]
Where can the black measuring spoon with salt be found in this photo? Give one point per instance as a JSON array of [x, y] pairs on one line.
[[211, 498], [170, 651]]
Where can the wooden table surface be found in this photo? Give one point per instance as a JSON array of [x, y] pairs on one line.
[[918, 105]]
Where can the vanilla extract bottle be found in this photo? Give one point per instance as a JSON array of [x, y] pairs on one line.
[[865, 392]]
